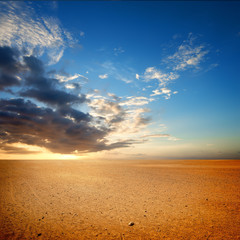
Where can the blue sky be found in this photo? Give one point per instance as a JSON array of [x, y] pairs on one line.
[[129, 80]]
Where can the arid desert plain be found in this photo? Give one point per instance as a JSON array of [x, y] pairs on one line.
[[172, 199]]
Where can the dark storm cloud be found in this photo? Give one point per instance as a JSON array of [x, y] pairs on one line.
[[73, 113], [34, 65], [53, 96], [7, 81], [8, 60], [23, 121], [59, 127], [9, 66], [44, 89]]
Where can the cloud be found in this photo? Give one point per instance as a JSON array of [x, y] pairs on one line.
[[155, 135], [118, 51], [118, 72], [163, 91], [61, 131], [188, 55], [51, 119], [43, 88], [55, 56], [114, 97], [136, 101], [20, 148], [67, 77], [33, 36], [160, 135], [110, 112], [23, 121], [164, 79], [9, 67], [53, 96], [125, 117], [104, 76], [137, 76], [152, 73], [73, 86]]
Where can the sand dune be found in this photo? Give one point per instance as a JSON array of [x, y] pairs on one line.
[[197, 199]]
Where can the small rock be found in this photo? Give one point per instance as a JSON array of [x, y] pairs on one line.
[[39, 234], [206, 199], [131, 224]]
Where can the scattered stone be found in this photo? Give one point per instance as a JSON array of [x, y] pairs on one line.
[[131, 224], [42, 217], [39, 234], [206, 199], [185, 205]]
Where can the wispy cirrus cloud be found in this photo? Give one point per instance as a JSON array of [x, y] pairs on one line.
[[67, 77], [161, 135], [136, 101], [118, 72], [118, 50], [163, 78], [33, 36], [188, 55], [152, 73]]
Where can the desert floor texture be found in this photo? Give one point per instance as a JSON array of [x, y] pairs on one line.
[[190, 199]]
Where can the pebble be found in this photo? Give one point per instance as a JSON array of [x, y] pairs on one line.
[[131, 224]]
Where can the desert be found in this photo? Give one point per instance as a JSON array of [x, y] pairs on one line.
[[127, 199]]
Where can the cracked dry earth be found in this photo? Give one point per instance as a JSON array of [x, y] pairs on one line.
[[180, 199]]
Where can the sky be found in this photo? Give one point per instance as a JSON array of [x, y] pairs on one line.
[[119, 80]]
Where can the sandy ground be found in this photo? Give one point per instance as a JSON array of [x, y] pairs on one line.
[[97, 199]]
